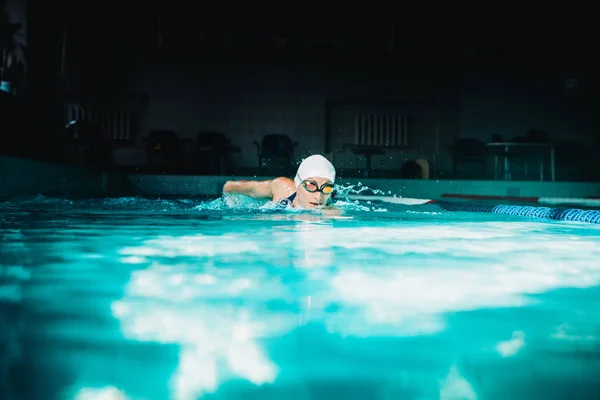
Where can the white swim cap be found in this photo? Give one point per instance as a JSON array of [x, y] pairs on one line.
[[315, 166]]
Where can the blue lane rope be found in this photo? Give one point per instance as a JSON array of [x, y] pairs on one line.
[[563, 214]]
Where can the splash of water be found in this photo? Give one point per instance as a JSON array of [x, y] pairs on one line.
[[223, 203]]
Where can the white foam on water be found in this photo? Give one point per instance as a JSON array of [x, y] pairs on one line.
[[456, 387], [170, 304], [194, 246], [104, 393], [511, 347], [457, 268], [399, 280], [567, 333]]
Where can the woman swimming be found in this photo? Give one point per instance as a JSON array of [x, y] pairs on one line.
[[311, 188]]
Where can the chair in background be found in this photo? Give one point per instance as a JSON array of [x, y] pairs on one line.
[[418, 168], [425, 168], [87, 144], [411, 170], [212, 151], [275, 146], [468, 150], [164, 148]]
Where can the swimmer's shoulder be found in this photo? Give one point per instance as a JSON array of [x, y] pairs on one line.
[[282, 188]]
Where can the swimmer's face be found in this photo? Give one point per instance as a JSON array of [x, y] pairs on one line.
[[314, 192]]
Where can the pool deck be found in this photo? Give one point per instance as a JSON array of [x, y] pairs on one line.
[[26, 177]]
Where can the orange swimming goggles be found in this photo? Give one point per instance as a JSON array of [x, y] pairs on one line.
[[312, 186]]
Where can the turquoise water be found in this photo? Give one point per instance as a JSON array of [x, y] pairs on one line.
[[183, 299]]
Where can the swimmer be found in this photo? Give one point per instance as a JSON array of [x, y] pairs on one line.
[[311, 188]]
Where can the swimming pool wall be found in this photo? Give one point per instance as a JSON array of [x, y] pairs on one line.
[[22, 177], [26, 177], [162, 185]]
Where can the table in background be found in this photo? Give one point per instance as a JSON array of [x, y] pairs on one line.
[[507, 147]]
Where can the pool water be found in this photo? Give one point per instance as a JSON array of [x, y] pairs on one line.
[[184, 299]]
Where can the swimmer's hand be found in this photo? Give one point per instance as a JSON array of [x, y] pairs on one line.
[[334, 212], [328, 210]]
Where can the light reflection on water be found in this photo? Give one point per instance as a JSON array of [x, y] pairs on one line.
[[188, 302]]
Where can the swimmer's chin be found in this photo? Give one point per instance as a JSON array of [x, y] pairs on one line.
[[310, 206]]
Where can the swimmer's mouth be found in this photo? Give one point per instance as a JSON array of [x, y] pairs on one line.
[[315, 204]]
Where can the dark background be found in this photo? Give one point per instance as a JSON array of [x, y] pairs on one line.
[[303, 72]]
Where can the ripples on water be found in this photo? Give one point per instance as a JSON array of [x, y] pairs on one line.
[[181, 299]]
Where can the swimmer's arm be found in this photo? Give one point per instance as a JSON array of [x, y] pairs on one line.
[[271, 189], [255, 189]]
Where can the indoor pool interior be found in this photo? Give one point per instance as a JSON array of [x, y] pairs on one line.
[[189, 298]]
